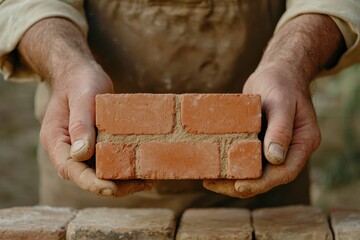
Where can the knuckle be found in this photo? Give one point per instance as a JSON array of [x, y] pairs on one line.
[[313, 139], [317, 138], [291, 176], [77, 127], [283, 133], [62, 171]]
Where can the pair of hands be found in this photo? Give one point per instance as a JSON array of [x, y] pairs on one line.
[[68, 132], [296, 53]]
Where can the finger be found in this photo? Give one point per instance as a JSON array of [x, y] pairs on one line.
[[56, 140], [274, 175], [82, 126], [54, 126], [128, 187], [85, 177], [280, 112], [226, 187]]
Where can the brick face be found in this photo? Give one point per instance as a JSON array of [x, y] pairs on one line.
[[244, 160], [287, 222], [166, 136], [221, 113], [291, 222], [179, 160], [345, 223], [117, 223], [135, 113], [215, 223], [33, 223], [112, 157]]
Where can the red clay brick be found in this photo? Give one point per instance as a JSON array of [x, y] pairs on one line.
[[115, 161], [39, 222], [141, 120], [221, 113], [345, 223], [159, 160], [122, 223], [291, 222], [135, 113], [215, 223], [244, 160]]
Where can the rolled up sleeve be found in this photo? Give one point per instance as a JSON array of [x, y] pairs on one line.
[[17, 16], [345, 14]]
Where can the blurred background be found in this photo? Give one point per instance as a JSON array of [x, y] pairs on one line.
[[335, 167]]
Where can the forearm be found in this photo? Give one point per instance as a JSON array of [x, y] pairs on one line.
[[307, 44], [53, 46]]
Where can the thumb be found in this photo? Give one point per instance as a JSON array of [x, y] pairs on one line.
[[280, 114], [81, 126]]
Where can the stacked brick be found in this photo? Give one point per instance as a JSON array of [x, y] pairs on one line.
[[167, 136], [289, 222]]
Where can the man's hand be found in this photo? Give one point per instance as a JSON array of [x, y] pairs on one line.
[[292, 132], [57, 50], [295, 55]]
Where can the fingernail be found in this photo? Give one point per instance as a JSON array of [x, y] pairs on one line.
[[107, 192], [277, 153], [77, 146]]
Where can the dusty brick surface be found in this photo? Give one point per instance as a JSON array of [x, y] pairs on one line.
[[190, 136], [135, 113], [209, 224], [345, 224], [221, 113], [34, 223], [244, 160], [291, 222], [179, 160], [115, 223], [115, 157]]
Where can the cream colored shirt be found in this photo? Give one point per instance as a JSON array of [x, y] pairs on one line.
[[179, 45]]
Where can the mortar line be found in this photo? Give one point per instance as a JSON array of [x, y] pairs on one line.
[[178, 136], [223, 158], [137, 165]]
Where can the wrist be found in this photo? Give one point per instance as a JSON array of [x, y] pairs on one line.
[[54, 46], [305, 45]]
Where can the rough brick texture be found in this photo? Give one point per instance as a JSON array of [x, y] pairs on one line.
[[179, 160], [32, 223], [345, 224], [292, 222], [115, 223], [167, 136], [243, 160], [221, 113], [116, 156], [135, 113], [216, 223]]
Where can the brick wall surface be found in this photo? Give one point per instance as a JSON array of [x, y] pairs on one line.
[[167, 136], [281, 223], [40, 222], [215, 223], [110, 223], [291, 222], [345, 223]]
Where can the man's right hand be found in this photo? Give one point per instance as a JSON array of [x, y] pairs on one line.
[[57, 50]]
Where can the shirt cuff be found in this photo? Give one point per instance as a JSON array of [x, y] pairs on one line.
[[345, 15], [16, 17]]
